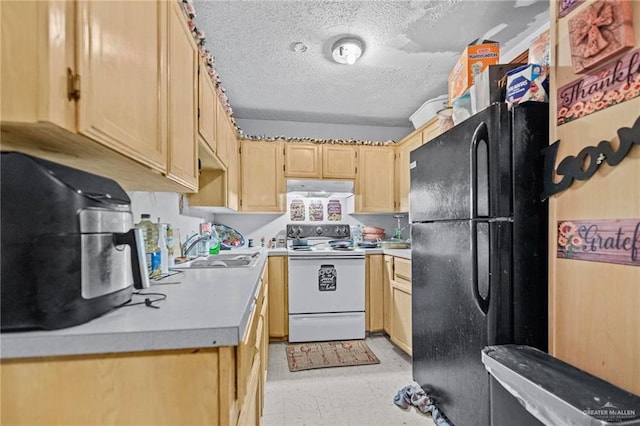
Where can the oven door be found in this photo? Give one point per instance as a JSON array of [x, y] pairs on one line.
[[326, 284]]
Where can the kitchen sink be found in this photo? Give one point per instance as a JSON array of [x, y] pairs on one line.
[[225, 260]]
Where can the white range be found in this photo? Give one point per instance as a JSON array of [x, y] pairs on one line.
[[326, 284]]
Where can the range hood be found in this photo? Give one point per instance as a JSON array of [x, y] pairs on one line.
[[320, 188]]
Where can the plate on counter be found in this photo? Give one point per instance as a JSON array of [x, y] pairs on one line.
[[367, 244], [229, 237]]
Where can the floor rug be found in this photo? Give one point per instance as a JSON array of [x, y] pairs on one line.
[[306, 356]]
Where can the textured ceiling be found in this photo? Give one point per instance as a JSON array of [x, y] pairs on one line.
[[410, 48]]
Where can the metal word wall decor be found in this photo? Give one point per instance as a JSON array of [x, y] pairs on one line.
[[609, 241], [610, 85], [585, 164]]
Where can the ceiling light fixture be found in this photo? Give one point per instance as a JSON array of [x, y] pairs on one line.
[[347, 50]]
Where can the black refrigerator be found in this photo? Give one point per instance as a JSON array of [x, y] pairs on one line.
[[479, 252]]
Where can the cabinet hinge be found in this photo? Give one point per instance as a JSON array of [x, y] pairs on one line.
[[73, 85], [284, 167], [198, 113]]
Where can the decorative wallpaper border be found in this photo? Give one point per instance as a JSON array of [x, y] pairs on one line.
[[209, 60]]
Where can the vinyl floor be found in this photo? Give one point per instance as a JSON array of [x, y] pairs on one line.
[[360, 395]]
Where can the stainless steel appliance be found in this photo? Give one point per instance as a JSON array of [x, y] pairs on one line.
[[479, 252], [326, 284], [70, 251]]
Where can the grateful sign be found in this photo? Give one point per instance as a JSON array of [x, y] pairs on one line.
[[609, 241]]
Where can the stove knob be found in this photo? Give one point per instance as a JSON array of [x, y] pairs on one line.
[[319, 230]]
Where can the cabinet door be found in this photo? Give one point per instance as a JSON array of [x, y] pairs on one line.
[[34, 63], [386, 292], [401, 327], [302, 160], [182, 167], [262, 178], [233, 173], [339, 161], [401, 319], [206, 107], [431, 131], [223, 132], [375, 180], [403, 180], [375, 309], [121, 65], [278, 298]]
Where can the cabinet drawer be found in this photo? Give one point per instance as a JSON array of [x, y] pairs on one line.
[[402, 269]]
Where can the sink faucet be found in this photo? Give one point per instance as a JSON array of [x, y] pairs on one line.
[[188, 245]]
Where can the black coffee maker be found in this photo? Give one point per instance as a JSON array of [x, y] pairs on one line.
[[70, 251]]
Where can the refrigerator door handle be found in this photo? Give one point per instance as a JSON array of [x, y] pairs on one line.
[[480, 270], [479, 157]]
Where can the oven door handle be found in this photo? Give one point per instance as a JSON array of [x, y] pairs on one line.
[[320, 257]]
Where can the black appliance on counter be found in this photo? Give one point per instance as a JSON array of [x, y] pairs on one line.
[[479, 252], [70, 251]]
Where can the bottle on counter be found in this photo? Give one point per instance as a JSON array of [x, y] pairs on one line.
[[214, 242], [202, 248], [164, 246], [171, 258], [151, 248]]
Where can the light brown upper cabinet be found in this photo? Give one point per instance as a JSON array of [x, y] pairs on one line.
[[302, 160], [339, 161], [375, 179], [206, 107], [87, 86], [182, 60], [233, 173], [223, 132], [262, 184], [403, 180], [320, 161]]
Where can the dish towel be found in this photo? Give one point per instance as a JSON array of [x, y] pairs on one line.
[[414, 395]]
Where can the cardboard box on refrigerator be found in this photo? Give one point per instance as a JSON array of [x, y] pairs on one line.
[[475, 58], [490, 86]]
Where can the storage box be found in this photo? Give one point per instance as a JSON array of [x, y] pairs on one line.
[[539, 50], [527, 83], [428, 110], [490, 86], [475, 58]]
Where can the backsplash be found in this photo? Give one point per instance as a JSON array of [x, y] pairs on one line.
[[256, 226], [166, 206]]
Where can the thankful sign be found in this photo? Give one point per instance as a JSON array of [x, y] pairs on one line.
[[610, 85], [609, 241]]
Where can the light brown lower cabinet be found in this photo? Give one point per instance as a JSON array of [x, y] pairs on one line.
[[401, 315], [207, 386], [397, 301], [374, 310], [387, 277], [278, 298]]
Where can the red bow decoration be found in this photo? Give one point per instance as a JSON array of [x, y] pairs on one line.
[[596, 16]]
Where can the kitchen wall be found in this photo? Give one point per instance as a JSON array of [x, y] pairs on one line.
[[594, 307], [166, 206]]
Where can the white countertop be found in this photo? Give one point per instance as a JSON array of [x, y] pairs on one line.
[[208, 308]]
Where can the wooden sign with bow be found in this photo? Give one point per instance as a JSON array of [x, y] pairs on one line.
[[599, 32]]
